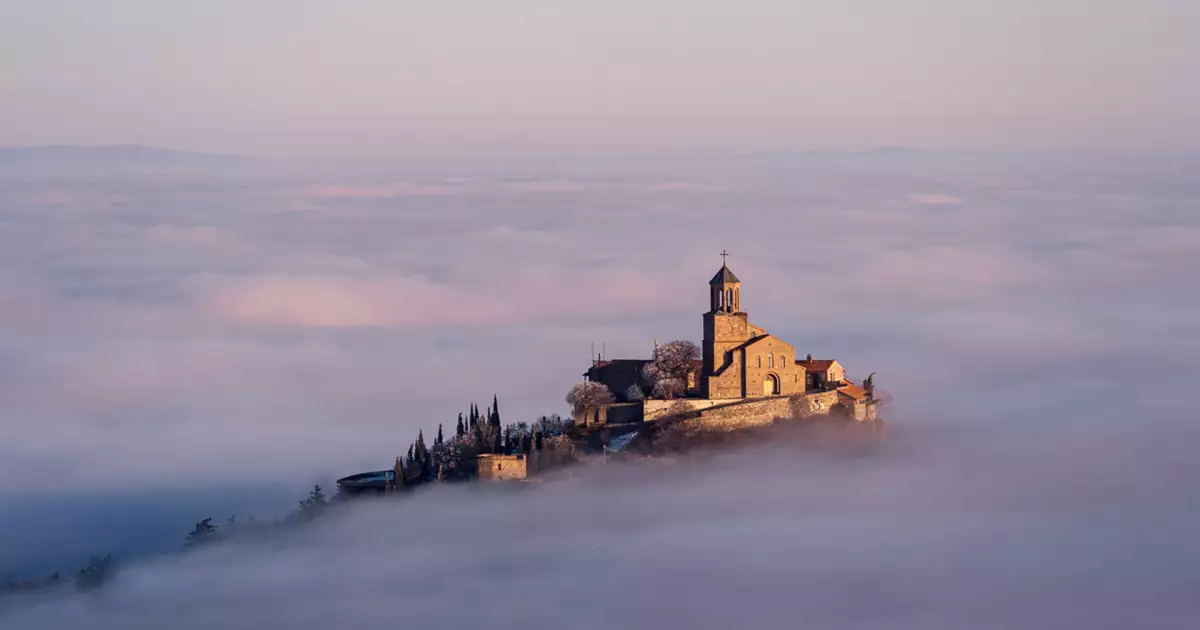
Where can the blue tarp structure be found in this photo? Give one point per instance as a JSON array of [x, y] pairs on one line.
[[378, 480], [621, 441]]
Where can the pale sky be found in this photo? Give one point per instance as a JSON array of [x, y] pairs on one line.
[[450, 77]]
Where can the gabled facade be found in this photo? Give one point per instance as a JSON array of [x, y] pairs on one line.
[[741, 360]]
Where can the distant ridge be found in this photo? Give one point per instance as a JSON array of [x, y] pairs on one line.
[[884, 151], [106, 153]]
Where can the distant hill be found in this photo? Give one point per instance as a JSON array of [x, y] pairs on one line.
[[108, 153], [125, 160]]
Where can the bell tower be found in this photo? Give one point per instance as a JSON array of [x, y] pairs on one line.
[[725, 290], [725, 328]]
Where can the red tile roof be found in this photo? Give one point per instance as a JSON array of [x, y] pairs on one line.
[[816, 365], [853, 391]]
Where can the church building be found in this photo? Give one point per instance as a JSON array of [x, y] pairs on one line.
[[740, 361]]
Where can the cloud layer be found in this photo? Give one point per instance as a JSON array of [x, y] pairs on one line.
[[288, 324], [928, 530]]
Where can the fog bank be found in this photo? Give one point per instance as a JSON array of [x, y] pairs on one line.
[[931, 530]]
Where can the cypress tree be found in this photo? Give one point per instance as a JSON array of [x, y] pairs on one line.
[[439, 439], [495, 409], [421, 451], [460, 429], [398, 485]]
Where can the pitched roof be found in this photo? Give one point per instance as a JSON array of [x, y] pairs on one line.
[[754, 340], [724, 275], [853, 391], [817, 365], [608, 362]]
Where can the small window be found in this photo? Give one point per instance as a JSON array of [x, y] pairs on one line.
[[783, 360], [770, 360], [759, 361]]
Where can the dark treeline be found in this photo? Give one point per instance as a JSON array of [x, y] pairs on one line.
[[454, 458], [97, 572], [449, 459]]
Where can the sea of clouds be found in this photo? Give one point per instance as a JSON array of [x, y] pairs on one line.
[[931, 530], [245, 328]]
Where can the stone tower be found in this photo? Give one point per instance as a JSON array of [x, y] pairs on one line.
[[725, 292], [725, 328]]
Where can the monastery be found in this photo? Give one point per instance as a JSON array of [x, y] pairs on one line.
[[744, 377], [740, 364]]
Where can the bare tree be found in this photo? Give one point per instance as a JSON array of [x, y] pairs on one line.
[[668, 387], [635, 393], [552, 424], [883, 400], [669, 370], [589, 396]]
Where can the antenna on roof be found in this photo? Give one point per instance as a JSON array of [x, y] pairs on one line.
[[593, 353], [603, 350]]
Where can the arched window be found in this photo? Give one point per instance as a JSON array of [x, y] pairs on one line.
[[770, 360], [759, 361], [729, 298], [783, 360]]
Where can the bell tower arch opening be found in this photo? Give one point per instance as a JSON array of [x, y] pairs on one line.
[[725, 291]]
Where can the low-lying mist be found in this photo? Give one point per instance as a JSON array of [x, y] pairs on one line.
[[1044, 527]]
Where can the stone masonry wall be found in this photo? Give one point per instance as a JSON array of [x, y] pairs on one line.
[[655, 409], [763, 410], [747, 414], [821, 402], [502, 467]]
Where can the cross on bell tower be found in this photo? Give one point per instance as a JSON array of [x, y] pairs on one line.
[[725, 290]]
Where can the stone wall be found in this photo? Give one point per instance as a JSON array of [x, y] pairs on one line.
[[741, 415], [655, 409], [760, 411], [502, 467], [514, 467], [821, 402]]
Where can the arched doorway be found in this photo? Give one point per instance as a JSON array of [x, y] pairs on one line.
[[771, 385]]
